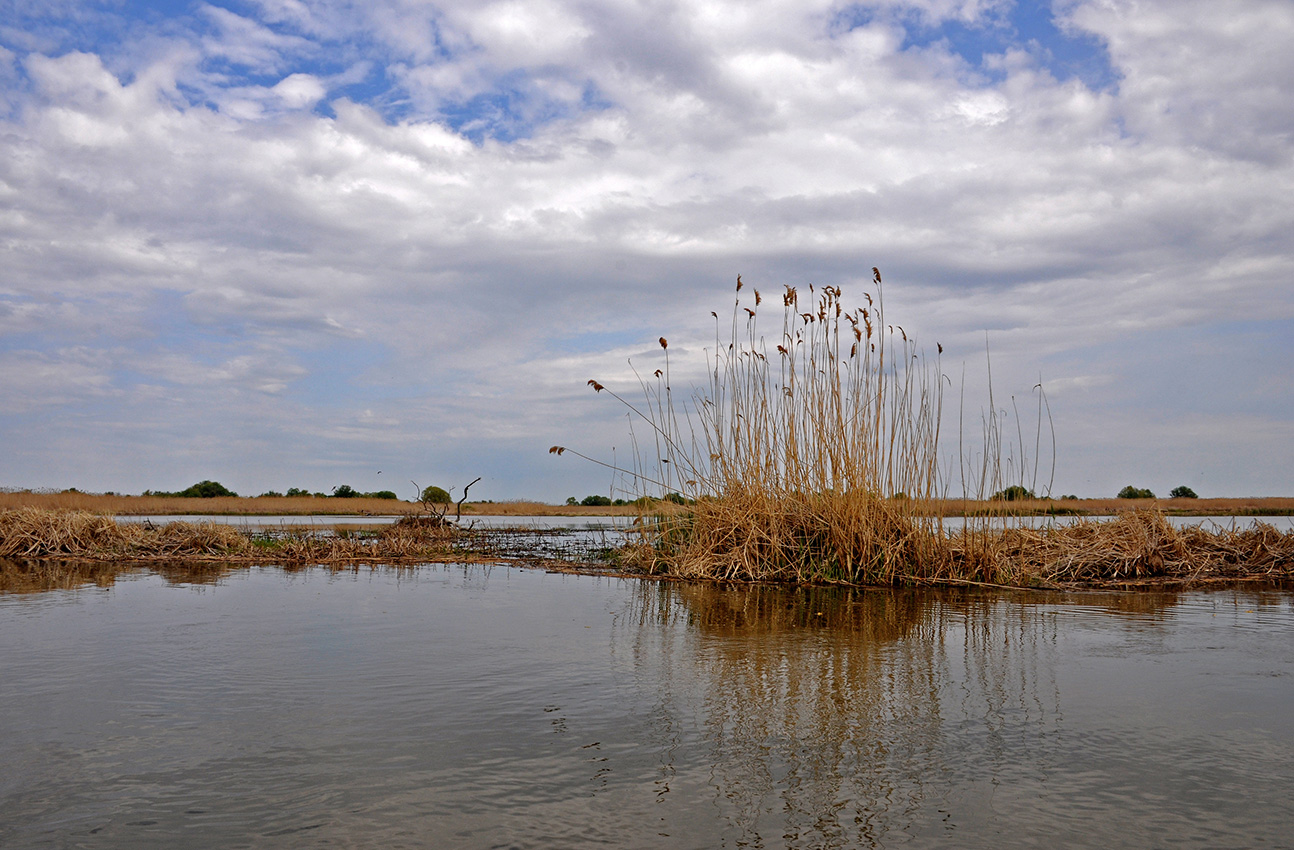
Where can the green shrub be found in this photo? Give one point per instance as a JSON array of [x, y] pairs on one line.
[[595, 501], [297, 491], [382, 494], [345, 491], [434, 495], [1131, 492], [1182, 492], [270, 494], [1013, 493], [206, 490]]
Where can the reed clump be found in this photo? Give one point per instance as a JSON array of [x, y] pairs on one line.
[[1137, 546], [804, 456], [814, 456], [34, 533]]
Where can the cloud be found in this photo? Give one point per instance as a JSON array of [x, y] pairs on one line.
[[312, 210]]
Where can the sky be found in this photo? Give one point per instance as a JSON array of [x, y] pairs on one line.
[[306, 243]]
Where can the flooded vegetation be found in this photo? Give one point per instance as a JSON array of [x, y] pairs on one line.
[[813, 455], [1141, 548], [470, 706]]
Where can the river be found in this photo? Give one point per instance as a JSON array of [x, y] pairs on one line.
[[478, 707]]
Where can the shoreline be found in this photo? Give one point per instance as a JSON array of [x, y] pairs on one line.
[[51, 548], [104, 504]]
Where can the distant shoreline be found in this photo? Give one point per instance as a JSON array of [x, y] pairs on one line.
[[120, 505]]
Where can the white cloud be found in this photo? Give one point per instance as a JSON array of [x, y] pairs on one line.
[[327, 266]]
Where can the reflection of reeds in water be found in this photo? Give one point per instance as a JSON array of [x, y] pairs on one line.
[[746, 611], [835, 717], [42, 575]]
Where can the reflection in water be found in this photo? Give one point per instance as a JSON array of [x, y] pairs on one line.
[[831, 716], [43, 576], [464, 707]]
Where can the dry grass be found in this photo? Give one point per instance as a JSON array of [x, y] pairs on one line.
[[33, 533], [815, 457], [811, 456], [1136, 546]]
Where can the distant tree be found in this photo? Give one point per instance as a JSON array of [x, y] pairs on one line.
[[270, 494], [434, 495], [571, 500], [206, 490], [297, 491], [1182, 492], [1131, 492], [382, 494], [1013, 493], [345, 491], [595, 501], [1069, 497], [676, 498]]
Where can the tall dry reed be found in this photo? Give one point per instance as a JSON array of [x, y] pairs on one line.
[[815, 456], [805, 453]]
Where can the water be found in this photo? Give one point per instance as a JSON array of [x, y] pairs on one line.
[[491, 707], [599, 523], [330, 521]]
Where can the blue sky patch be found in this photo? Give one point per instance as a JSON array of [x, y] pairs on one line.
[[1027, 26]]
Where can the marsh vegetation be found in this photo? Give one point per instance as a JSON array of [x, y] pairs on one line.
[[816, 455]]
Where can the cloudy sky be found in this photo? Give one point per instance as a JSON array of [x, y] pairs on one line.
[[289, 243]]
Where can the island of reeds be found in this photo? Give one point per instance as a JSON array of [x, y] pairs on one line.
[[813, 456]]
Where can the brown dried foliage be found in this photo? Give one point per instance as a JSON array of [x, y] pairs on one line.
[[32, 533]]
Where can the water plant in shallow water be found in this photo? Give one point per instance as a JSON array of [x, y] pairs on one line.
[[805, 457]]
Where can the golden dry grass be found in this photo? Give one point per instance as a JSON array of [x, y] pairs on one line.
[[1135, 546], [34, 533], [815, 457]]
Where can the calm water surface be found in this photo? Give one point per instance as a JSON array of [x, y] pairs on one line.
[[479, 708]]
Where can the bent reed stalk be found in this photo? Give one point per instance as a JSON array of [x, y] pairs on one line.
[[813, 458]]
